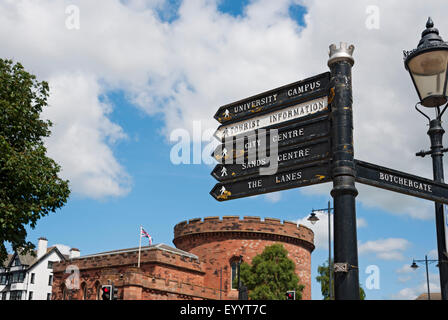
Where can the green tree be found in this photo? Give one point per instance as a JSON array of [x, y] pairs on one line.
[[324, 279], [271, 274], [29, 184]]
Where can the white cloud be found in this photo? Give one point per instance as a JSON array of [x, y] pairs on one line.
[[406, 273], [187, 68], [404, 279], [273, 197], [320, 228], [406, 268], [361, 223], [81, 137], [407, 294], [433, 254], [64, 249], [385, 249], [422, 288]]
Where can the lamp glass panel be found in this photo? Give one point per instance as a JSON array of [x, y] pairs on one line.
[[429, 73]]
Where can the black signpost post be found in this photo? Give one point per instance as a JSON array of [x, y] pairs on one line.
[[346, 277]]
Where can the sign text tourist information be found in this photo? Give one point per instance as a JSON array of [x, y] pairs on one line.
[[274, 99], [287, 114], [401, 182]]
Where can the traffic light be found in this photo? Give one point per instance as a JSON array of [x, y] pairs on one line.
[[114, 293], [107, 292], [290, 295]]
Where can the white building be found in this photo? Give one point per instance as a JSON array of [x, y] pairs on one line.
[[24, 277]]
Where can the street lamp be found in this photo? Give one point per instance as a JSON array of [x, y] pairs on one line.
[[414, 266], [427, 65], [313, 219]]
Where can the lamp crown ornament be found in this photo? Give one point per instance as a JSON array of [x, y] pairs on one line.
[[430, 34], [430, 38]]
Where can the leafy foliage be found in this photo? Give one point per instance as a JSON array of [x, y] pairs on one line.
[[29, 184], [271, 274]]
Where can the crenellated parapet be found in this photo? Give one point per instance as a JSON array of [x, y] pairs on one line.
[[232, 226]]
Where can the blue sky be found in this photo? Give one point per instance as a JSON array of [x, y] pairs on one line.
[[153, 69]]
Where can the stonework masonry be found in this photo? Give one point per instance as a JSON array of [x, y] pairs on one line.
[[198, 268], [217, 242]]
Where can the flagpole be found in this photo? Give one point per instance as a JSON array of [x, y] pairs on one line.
[[139, 246]]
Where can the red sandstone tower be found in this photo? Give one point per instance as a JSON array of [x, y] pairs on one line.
[[219, 244]]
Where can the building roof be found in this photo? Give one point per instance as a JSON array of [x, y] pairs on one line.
[[29, 260], [7, 260], [160, 246], [433, 296], [25, 259]]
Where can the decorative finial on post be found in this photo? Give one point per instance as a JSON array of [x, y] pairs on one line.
[[430, 35], [343, 53]]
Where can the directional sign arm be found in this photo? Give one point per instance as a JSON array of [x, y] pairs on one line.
[[286, 115], [400, 182], [293, 178], [284, 158], [271, 100], [284, 136]]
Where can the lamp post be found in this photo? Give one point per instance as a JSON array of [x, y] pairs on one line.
[[313, 219], [426, 261], [427, 65]]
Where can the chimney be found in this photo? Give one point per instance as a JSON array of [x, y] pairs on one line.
[[74, 253], [41, 247]]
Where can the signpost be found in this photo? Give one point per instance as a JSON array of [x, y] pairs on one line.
[[290, 126]]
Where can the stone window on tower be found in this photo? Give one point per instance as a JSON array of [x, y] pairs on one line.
[[234, 272]]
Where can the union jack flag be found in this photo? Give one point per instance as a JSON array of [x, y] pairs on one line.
[[146, 234]]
